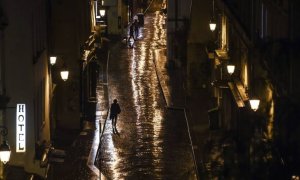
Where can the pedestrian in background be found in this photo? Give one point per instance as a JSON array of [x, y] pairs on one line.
[[114, 111], [131, 31], [136, 28]]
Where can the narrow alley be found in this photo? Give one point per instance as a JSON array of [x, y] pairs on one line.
[[152, 141]]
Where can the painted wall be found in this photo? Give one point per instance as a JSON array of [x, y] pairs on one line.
[[178, 17], [70, 29], [198, 37], [199, 23], [25, 70], [116, 15], [19, 72]]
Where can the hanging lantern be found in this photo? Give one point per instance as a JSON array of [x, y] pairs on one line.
[[4, 152], [102, 12], [230, 69], [64, 73], [254, 103], [212, 25], [53, 60]]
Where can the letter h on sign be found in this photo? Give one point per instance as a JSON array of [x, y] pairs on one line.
[[21, 128]]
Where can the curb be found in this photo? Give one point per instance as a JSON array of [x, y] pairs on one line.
[[181, 108]]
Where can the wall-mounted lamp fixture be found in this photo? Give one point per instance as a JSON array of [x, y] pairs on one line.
[[4, 147], [64, 73], [230, 69], [53, 60], [102, 12], [254, 103], [212, 23]]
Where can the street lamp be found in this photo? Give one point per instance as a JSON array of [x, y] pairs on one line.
[[102, 12], [53, 60], [254, 103], [64, 73], [212, 23], [4, 147], [103, 19], [230, 69]]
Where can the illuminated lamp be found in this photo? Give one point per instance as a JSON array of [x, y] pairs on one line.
[[53, 60], [212, 25], [64, 73], [254, 103], [230, 69], [102, 12]]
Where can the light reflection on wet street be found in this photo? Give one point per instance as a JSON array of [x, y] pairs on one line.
[[153, 141]]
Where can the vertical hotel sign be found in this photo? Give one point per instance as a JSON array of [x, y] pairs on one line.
[[20, 129]]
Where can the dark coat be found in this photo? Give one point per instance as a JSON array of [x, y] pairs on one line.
[[131, 30], [115, 109]]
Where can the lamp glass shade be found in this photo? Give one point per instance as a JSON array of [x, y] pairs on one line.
[[230, 69], [212, 25], [102, 12], [5, 152], [52, 60], [64, 74], [254, 103]]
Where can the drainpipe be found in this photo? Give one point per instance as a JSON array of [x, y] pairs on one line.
[[81, 102]]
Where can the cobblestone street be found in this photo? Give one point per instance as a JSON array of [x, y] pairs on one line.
[[153, 141]]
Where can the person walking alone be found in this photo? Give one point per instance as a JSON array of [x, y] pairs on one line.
[[136, 29], [131, 31], [114, 111]]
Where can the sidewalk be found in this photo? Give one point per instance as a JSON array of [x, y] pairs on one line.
[[206, 144], [218, 154]]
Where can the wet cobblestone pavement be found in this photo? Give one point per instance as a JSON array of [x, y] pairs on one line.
[[153, 141]]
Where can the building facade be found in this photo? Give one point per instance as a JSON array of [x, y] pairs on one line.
[[25, 80], [259, 38], [178, 19], [116, 16], [31, 32]]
